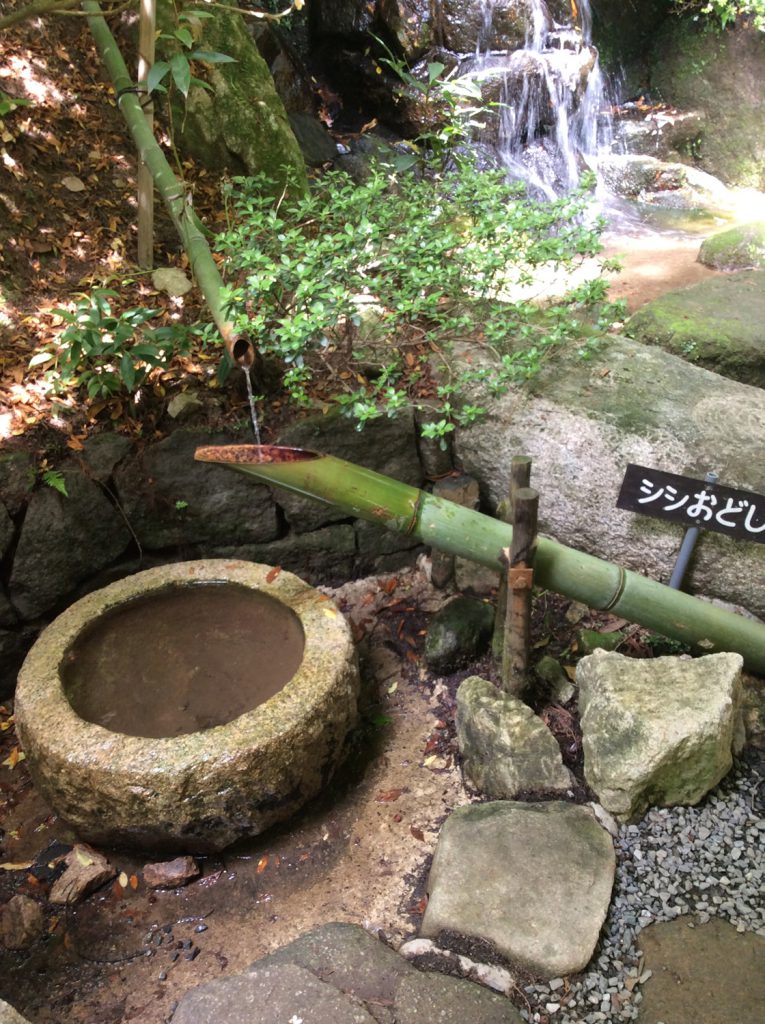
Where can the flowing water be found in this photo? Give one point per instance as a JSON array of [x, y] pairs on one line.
[[183, 659], [253, 410], [552, 100]]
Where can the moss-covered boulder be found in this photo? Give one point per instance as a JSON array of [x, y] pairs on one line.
[[740, 248], [241, 125], [721, 74], [718, 324]]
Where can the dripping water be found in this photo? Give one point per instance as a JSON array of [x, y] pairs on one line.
[[253, 410]]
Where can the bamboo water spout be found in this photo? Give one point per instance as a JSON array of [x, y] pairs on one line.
[[461, 531]]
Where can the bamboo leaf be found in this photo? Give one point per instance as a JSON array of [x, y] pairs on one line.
[[184, 36], [212, 57], [181, 72], [156, 74]]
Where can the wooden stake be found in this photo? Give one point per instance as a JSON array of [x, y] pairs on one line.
[[520, 577], [520, 475], [146, 40]]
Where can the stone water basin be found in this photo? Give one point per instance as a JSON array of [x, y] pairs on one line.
[[189, 705]]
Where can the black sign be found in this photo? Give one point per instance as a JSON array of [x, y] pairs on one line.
[[680, 499]]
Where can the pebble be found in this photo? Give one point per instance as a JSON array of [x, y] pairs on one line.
[[679, 860]]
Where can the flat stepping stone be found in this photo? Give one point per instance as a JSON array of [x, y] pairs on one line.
[[340, 974], [702, 973], [532, 879]]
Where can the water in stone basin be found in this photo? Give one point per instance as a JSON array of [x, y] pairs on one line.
[[183, 659]]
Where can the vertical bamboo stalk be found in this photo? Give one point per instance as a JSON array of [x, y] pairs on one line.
[[520, 475], [520, 577], [146, 40]]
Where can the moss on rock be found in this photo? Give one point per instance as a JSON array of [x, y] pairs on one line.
[[740, 248], [718, 324], [241, 125]]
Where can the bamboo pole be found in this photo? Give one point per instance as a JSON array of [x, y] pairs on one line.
[[461, 531], [146, 41], [520, 476], [171, 190], [519, 558]]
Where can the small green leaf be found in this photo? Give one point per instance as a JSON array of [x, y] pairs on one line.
[[212, 57], [156, 74], [184, 36], [128, 372], [181, 72], [435, 70], [55, 478]]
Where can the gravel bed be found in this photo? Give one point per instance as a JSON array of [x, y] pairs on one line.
[[707, 861]]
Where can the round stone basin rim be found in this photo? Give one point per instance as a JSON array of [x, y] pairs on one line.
[[43, 699]]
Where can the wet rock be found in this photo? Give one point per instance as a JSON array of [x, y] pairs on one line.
[[86, 870], [740, 248], [21, 923], [658, 732], [532, 879], [463, 25], [171, 873], [665, 134], [664, 184], [316, 144], [718, 324], [506, 749], [64, 539], [458, 633]]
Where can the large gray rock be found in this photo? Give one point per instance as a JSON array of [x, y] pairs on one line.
[[17, 480], [583, 421], [658, 731], [718, 324], [170, 499], [7, 530], [506, 749], [64, 539], [340, 974], [464, 24], [534, 880]]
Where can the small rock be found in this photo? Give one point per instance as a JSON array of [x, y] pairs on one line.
[[558, 687], [21, 924], [85, 871], [182, 405], [171, 280], [170, 874], [458, 633]]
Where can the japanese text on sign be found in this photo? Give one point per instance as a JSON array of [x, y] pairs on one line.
[[681, 499]]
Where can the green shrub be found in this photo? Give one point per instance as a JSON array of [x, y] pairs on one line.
[[369, 271]]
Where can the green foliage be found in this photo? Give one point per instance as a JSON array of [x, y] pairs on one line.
[[178, 68], [726, 13], [369, 271], [104, 353], [55, 478], [8, 105]]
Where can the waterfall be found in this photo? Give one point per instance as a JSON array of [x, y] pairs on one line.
[[551, 97]]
